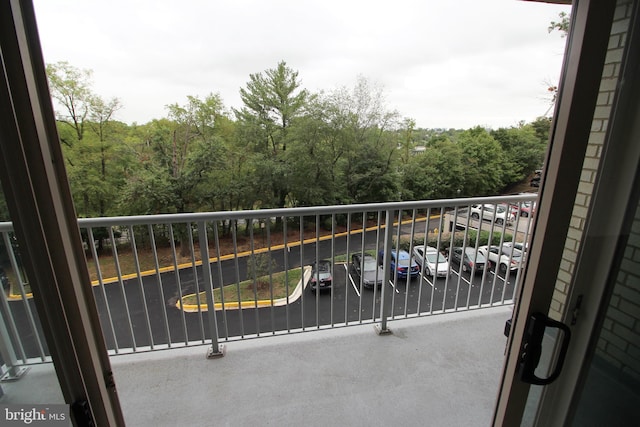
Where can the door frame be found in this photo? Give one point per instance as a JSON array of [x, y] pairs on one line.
[[585, 54]]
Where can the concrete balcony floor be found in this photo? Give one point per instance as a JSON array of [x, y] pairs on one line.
[[431, 371]]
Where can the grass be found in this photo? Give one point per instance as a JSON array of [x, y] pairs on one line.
[[250, 291]]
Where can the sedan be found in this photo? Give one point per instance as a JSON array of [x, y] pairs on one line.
[[432, 262], [367, 270], [321, 275], [402, 263], [470, 259]]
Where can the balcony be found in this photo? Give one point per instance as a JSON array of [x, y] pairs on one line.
[[407, 351]]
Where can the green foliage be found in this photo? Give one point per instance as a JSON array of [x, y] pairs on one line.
[[483, 158], [259, 266], [460, 238], [562, 25]]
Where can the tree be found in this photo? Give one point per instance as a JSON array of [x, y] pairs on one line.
[[523, 151], [368, 134], [71, 88], [272, 101], [483, 160], [562, 25], [436, 173]]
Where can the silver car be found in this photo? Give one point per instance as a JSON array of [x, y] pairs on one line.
[[432, 262]]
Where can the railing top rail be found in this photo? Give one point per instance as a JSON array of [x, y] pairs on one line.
[[290, 212]]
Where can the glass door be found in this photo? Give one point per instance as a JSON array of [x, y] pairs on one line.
[[583, 331]]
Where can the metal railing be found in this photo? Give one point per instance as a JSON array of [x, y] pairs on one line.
[[152, 291]]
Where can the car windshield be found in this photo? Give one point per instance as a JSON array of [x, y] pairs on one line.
[[475, 256], [501, 209], [431, 257], [370, 264]]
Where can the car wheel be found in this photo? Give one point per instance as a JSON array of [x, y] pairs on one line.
[[499, 221], [524, 213], [475, 216], [464, 268], [503, 268]]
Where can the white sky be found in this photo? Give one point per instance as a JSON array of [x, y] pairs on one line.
[[444, 63]]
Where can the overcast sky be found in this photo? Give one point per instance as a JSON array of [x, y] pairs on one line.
[[442, 63]]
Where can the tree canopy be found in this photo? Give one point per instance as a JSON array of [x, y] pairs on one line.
[[285, 146]]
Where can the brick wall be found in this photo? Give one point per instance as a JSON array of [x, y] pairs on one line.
[[619, 341], [592, 156]]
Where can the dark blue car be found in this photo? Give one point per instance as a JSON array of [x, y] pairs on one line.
[[401, 262]]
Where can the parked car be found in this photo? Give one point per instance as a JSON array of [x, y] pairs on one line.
[[507, 258], [526, 208], [367, 269], [432, 262], [401, 262], [488, 212], [321, 275], [522, 247], [470, 259]]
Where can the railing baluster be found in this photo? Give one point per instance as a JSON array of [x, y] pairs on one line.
[[176, 270], [236, 265], [217, 349], [116, 261], [285, 250], [101, 285], [216, 242], [406, 293], [376, 252], [270, 271], [163, 304], [362, 250], [347, 276], [196, 281], [136, 260], [386, 267], [317, 257], [302, 266], [333, 262]]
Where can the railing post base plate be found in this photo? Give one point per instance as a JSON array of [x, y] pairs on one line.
[[211, 354], [381, 331], [14, 374]]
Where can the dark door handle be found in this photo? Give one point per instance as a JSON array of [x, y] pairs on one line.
[[532, 349]]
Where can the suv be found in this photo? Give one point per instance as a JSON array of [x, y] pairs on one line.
[[487, 212], [401, 262]]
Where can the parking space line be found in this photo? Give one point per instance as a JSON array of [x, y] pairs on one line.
[[355, 288], [427, 280], [394, 286]]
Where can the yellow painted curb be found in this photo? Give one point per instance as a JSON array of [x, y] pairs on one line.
[[13, 297], [193, 308]]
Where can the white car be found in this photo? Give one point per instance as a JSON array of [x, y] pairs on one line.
[[488, 212], [431, 261], [506, 258]]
